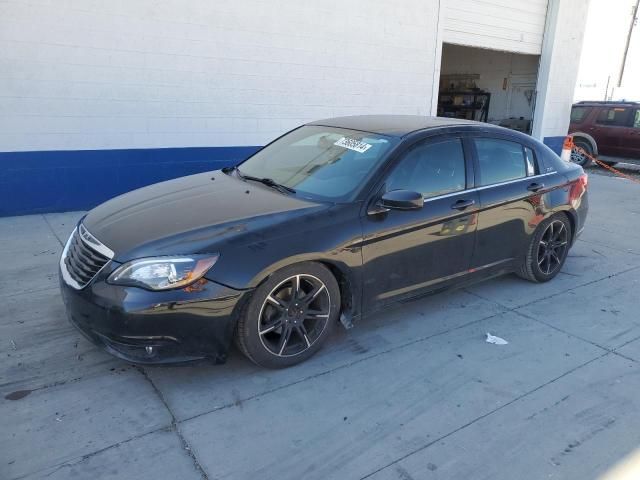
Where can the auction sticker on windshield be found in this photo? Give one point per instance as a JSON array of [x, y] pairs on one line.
[[353, 144]]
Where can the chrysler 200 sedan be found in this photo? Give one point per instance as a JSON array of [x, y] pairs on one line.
[[331, 221]]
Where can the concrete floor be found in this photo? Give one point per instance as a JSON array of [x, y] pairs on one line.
[[631, 169], [415, 392]]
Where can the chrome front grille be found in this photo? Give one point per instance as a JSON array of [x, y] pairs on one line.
[[83, 257]]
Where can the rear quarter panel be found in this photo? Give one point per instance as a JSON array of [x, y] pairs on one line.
[[570, 196]]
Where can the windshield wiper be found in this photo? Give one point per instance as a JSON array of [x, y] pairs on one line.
[[269, 182]]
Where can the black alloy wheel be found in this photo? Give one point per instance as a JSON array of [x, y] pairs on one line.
[[552, 247], [289, 315], [294, 315], [548, 249]]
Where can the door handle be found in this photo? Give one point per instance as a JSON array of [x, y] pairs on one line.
[[462, 204], [534, 187]]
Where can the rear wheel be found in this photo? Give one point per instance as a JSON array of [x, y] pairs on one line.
[[548, 249], [289, 316], [580, 155]]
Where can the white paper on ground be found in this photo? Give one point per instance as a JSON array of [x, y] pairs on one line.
[[496, 340]]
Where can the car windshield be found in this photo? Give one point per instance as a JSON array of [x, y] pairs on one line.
[[326, 163]]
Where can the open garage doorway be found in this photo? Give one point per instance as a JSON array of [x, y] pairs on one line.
[[488, 86]]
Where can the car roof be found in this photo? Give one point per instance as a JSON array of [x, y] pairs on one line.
[[595, 103], [394, 125]]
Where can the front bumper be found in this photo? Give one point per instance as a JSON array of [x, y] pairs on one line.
[[148, 327]]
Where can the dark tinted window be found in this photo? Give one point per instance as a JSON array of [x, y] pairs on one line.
[[578, 114], [616, 116], [500, 160], [636, 119], [431, 169]]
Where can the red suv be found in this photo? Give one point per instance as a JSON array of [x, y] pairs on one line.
[[607, 130]]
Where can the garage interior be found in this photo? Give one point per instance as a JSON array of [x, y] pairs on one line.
[[488, 85]]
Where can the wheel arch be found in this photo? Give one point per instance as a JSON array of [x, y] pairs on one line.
[[588, 138], [343, 273], [343, 276], [571, 216]]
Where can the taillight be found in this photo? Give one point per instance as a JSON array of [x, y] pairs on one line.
[[578, 187], [584, 179]]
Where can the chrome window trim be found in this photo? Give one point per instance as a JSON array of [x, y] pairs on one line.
[[93, 243], [484, 187], [445, 195]]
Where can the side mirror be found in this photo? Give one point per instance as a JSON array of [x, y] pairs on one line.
[[402, 200]]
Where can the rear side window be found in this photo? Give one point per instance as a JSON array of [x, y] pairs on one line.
[[579, 113], [431, 169], [636, 119], [502, 160], [615, 116]]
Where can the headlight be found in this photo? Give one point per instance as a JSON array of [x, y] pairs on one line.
[[163, 273]]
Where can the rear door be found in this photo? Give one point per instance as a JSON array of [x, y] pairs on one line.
[[510, 186], [611, 129]]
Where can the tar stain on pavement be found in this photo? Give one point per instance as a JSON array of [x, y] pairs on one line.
[[17, 395]]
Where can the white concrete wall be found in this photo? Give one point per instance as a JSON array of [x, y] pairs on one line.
[[86, 74], [493, 67], [559, 64], [510, 25]]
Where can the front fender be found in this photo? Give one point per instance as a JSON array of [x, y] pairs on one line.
[[331, 238]]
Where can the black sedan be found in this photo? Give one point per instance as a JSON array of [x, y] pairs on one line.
[[334, 220]]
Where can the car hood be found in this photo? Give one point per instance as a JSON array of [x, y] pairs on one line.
[[194, 214]]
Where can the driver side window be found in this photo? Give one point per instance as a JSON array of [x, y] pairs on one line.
[[431, 168]]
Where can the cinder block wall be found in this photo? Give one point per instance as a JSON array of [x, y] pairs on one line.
[[94, 93], [98, 98], [145, 74]]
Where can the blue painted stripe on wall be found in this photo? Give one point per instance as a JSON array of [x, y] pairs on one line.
[[58, 181], [554, 143]]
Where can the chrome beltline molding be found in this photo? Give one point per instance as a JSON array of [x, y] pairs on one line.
[[484, 187]]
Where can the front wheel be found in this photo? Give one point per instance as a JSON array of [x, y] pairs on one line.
[[289, 316], [548, 249]]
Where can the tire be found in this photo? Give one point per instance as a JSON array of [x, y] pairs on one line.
[[536, 270], [579, 157], [276, 330]]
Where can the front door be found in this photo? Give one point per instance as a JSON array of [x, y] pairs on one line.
[[410, 251]]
